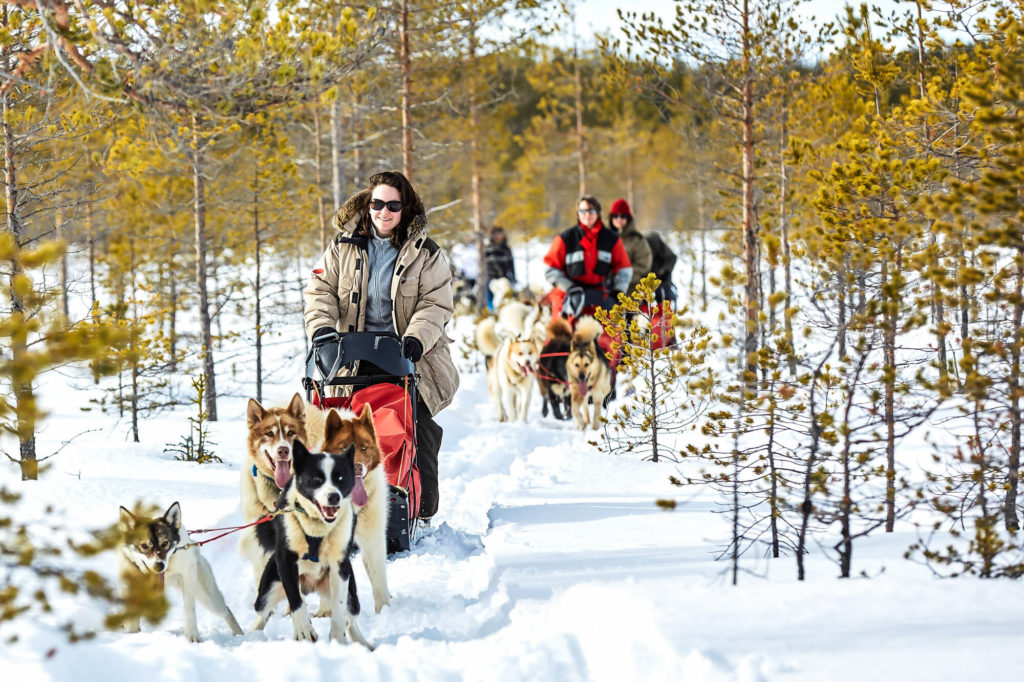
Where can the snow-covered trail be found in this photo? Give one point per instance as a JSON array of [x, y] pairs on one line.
[[547, 561]]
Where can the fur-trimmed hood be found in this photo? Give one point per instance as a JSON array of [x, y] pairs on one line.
[[345, 218]]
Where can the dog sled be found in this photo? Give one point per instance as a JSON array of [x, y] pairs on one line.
[[392, 400]]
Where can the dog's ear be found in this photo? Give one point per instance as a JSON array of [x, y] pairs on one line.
[[299, 454], [127, 520], [366, 417], [297, 408], [334, 429], [173, 515], [254, 412]]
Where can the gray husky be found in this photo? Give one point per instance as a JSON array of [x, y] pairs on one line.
[[161, 546]]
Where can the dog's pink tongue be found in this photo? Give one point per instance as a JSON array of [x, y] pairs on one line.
[[282, 472], [359, 496], [581, 386]]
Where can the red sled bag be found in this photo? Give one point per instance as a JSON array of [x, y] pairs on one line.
[[662, 334], [393, 408]]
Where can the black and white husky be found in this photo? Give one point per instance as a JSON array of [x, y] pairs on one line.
[[311, 545], [161, 546]]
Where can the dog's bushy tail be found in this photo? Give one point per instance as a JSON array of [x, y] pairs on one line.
[[559, 330], [587, 330], [486, 338]]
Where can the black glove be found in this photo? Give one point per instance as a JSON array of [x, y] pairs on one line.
[[320, 334], [412, 349], [575, 300]]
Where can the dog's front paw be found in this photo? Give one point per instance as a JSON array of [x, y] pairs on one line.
[[379, 602], [323, 612], [303, 626], [192, 635], [131, 626], [338, 633]]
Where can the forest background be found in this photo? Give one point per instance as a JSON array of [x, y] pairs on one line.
[[849, 189]]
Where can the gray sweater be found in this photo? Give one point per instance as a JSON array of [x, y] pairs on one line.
[[378, 295]]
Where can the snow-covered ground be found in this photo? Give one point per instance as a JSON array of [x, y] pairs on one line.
[[546, 561]]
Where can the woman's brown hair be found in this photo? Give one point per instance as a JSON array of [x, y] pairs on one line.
[[411, 205]]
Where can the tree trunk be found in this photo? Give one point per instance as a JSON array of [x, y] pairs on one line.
[[630, 181], [736, 498], [259, 283], [24, 397], [702, 223], [65, 310], [653, 378], [320, 210], [337, 176], [786, 255], [406, 71], [135, 354], [841, 302], [1010, 519], [90, 229], [474, 163], [172, 331], [199, 207], [774, 500], [750, 238], [580, 139], [891, 302], [357, 141]]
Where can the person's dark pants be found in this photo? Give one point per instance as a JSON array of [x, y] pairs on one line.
[[428, 445]]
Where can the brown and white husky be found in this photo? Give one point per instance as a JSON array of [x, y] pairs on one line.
[[267, 468], [274, 430], [590, 377]]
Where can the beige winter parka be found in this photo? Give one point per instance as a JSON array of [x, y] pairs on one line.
[[421, 295]]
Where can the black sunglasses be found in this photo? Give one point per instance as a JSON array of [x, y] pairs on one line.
[[379, 204], [618, 215]]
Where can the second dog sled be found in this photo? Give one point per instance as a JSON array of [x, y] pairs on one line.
[[391, 396]]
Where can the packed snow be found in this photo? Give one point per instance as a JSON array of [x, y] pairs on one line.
[[547, 560]]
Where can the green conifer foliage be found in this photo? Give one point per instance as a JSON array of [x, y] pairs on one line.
[[670, 386]]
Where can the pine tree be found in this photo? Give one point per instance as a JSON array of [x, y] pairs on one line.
[[670, 382]]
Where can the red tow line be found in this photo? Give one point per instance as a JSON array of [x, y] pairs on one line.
[[232, 529]]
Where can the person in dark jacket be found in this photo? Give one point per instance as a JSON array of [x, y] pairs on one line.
[[637, 247], [663, 261], [498, 261]]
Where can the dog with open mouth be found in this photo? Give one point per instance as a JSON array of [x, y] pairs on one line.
[[313, 541], [333, 431], [589, 372], [511, 343], [161, 546], [266, 469]]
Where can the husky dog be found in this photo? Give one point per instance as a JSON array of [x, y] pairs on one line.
[[512, 345], [267, 469], [312, 545], [589, 374], [333, 431], [161, 546], [501, 289], [552, 379]]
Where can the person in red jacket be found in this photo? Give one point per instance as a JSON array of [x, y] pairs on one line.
[[587, 264]]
